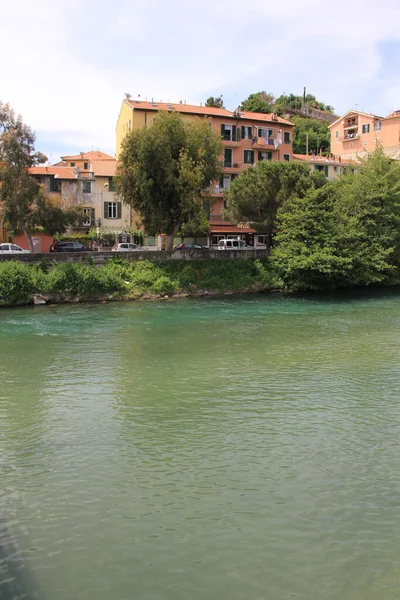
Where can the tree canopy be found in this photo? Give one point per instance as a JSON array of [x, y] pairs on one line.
[[261, 190], [344, 234], [216, 102], [319, 137], [164, 168], [23, 203], [261, 102]]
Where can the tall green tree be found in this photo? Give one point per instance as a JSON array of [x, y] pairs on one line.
[[261, 190], [319, 137], [345, 234], [216, 102], [23, 203], [163, 170], [261, 102]]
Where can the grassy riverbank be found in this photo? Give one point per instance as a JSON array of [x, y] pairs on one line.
[[120, 279]]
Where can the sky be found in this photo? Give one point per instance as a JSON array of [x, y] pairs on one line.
[[66, 66]]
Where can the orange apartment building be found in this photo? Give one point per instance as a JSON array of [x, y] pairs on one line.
[[247, 139], [356, 134]]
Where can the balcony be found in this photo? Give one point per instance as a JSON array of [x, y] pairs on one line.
[[85, 175], [218, 218], [348, 137], [270, 143]]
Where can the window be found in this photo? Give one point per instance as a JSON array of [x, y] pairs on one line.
[[112, 210], [86, 165], [264, 155], [215, 239], [249, 157], [247, 133], [286, 137], [337, 133], [228, 133], [55, 185], [377, 126], [86, 187], [228, 157], [365, 128], [262, 239], [319, 168], [88, 217], [286, 157], [72, 164], [111, 187], [15, 248]]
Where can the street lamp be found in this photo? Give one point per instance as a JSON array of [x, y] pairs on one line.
[[102, 204]]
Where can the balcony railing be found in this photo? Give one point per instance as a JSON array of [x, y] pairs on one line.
[[271, 142], [349, 137], [218, 217], [85, 175], [228, 164]]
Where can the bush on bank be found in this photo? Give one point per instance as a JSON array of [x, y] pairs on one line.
[[119, 279]]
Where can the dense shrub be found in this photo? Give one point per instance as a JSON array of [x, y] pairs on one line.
[[16, 283], [120, 278]]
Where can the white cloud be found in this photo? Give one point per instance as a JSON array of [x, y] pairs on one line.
[[69, 64]]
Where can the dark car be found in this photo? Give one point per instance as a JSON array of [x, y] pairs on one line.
[[68, 247], [187, 246]]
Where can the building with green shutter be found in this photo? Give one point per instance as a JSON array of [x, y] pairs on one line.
[[247, 139], [86, 180]]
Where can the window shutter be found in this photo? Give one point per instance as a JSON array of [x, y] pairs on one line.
[[221, 182], [326, 170], [106, 209], [233, 133], [252, 156], [119, 209], [222, 130], [243, 132], [259, 132], [92, 217], [260, 155]]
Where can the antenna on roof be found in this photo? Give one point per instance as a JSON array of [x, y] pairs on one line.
[[127, 95]]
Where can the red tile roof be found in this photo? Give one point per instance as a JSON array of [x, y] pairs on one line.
[[230, 229], [104, 168], [60, 172], [322, 159], [92, 156], [206, 111]]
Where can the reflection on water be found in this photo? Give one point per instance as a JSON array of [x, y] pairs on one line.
[[230, 449]]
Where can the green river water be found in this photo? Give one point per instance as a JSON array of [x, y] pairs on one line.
[[231, 449]]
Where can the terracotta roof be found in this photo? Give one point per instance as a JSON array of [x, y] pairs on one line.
[[206, 110], [230, 229], [322, 159], [61, 172], [105, 168], [92, 156]]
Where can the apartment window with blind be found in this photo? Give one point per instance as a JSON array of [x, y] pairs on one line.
[[286, 157], [365, 128], [377, 126], [86, 187], [286, 137]]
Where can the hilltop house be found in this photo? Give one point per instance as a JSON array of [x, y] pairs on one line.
[[356, 134]]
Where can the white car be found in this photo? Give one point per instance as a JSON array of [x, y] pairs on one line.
[[125, 247], [12, 249]]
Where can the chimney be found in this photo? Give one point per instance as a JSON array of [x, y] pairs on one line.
[[82, 153]]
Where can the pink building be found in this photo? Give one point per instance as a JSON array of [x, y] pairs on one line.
[[356, 134]]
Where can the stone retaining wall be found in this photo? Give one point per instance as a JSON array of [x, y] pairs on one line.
[[100, 258]]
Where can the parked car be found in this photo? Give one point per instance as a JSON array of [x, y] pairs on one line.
[[231, 244], [12, 249], [190, 246], [68, 247], [125, 247]]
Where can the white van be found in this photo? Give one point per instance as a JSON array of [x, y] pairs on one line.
[[233, 244]]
